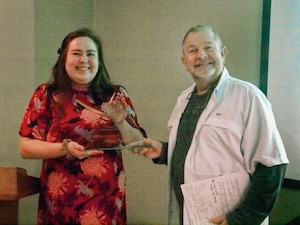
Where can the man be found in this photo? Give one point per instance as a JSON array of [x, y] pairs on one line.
[[220, 125]]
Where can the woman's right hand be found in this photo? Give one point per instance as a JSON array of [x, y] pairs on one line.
[[147, 147], [78, 151]]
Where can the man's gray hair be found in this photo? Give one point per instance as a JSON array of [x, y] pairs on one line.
[[198, 28]]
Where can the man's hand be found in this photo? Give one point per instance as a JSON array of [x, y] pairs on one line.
[[148, 147], [219, 220]]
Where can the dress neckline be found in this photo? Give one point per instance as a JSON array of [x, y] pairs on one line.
[[77, 87]]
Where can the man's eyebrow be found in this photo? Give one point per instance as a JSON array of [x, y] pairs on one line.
[[205, 43], [191, 46]]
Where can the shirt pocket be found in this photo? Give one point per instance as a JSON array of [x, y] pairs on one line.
[[220, 136], [227, 124], [218, 144]]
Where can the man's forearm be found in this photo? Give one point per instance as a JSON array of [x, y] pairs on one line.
[[264, 187]]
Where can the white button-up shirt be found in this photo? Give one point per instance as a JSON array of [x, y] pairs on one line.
[[236, 131]]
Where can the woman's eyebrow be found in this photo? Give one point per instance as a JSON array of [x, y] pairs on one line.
[[79, 50]]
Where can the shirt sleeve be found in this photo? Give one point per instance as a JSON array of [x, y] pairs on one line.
[[163, 159], [261, 141], [37, 117], [265, 185]]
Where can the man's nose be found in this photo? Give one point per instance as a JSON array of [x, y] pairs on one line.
[[202, 54]]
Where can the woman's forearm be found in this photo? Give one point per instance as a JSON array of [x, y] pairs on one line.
[[128, 133], [37, 149]]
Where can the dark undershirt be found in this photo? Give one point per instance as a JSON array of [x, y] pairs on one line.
[[185, 133]]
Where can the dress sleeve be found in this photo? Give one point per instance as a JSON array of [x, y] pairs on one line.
[[132, 117], [37, 117]]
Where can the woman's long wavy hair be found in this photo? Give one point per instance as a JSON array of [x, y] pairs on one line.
[[60, 81]]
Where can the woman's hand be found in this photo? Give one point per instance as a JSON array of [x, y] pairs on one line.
[[76, 150], [116, 108], [219, 220], [148, 147]]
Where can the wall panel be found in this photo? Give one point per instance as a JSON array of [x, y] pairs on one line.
[[142, 48]]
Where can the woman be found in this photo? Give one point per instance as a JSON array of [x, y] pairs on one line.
[[69, 122]]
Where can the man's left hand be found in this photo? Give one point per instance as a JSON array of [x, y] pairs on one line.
[[219, 220]]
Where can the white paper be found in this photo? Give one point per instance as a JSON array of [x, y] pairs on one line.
[[214, 197]]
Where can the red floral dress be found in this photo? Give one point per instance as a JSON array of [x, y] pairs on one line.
[[73, 191]]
